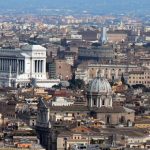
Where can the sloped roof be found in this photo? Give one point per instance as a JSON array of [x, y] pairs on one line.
[[33, 47], [115, 109]]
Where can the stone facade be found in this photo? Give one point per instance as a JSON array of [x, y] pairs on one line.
[[116, 118], [19, 67], [60, 69], [108, 71], [139, 77], [114, 37]]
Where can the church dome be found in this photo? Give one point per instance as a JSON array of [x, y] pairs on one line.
[[99, 85]]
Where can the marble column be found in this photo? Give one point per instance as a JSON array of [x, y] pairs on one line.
[[34, 66], [15, 65], [42, 66], [100, 102], [5, 62], [91, 103], [6, 65], [22, 66], [111, 102], [97, 102], [19, 66], [10, 64], [39, 65]]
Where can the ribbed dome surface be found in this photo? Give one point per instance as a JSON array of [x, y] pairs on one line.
[[99, 85]]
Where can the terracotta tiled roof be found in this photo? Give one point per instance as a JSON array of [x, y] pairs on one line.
[[117, 109], [69, 108]]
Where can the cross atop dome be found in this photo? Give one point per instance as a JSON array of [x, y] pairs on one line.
[[99, 73]]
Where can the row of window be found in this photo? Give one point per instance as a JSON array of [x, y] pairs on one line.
[[103, 102], [109, 69], [10, 115], [143, 125], [139, 82], [73, 114], [38, 53], [130, 77]]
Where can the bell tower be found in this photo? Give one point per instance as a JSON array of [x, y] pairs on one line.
[[103, 39]]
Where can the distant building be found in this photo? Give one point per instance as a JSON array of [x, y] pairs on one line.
[[8, 104], [147, 28], [139, 77], [89, 35], [109, 71], [62, 101], [100, 53], [117, 36], [145, 61], [59, 69]]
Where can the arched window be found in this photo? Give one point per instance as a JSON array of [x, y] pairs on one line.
[[108, 119], [103, 102], [94, 100]]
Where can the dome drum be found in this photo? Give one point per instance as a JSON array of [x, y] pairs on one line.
[[99, 93]]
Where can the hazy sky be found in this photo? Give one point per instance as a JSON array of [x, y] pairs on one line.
[[89, 5]]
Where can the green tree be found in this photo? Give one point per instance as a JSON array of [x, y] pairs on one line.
[[76, 84], [59, 86]]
